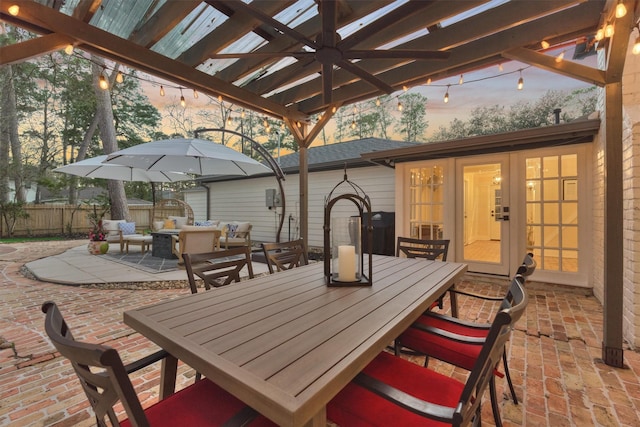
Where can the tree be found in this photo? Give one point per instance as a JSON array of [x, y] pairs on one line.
[[523, 115], [104, 111], [412, 122]]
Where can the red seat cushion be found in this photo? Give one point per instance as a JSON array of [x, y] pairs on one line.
[[442, 348], [201, 404], [356, 406]]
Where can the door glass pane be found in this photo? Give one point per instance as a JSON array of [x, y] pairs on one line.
[[427, 202], [552, 211], [482, 209]]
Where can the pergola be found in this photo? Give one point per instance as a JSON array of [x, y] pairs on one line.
[[294, 59]]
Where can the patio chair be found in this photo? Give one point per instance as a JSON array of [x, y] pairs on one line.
[[459, 342], [421, 248], [395, 391], [218, 268], [105, 381], [285, 255], [193, 239]]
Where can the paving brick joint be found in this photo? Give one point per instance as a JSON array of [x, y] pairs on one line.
[[554, 353]]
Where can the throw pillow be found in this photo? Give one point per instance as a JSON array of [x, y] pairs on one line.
[[127, 227], [180, 221], [158, 225], [231, 230], [203, 223], [169, 224]]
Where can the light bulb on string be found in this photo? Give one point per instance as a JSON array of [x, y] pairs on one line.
[[400, 106], [265, 122], [353, 124], [14, 10], [282, 126], [461, 81], [599, 34], [520, 81], [560, 57], [243, 114], [219, 98], [609, 30], [377, 102], [429, 81], [621, 9], [195, 94], [68, 49], [119, 77], [500, 67], [102, 81], [334, 109], [544, 44], [161, 90], [182, 100], [636, 46], [405, 88], [446, 95], [229, 121]]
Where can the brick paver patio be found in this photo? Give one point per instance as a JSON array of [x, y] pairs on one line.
[[554, 354]]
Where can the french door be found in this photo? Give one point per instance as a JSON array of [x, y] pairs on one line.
[[483, 217]]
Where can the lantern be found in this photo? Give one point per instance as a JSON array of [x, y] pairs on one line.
[[347, 238]]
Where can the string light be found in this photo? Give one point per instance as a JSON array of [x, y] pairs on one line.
[[560, 57], [636, 46], [377, 102], [520, 81], [14, 10], [500, 67], [353, 124], [608, 30], [461, 81], [68, 49], [182, 101], [399, 106], [161, 90], [265, 122], [102, 81], [429, 81], [119, 77], [219, 98], [195, 94], [446, 95], [599, 34], [621, 10], [243, 114], [355, 109], [229, 121], [334, 109], [545, 44], [405, 88]]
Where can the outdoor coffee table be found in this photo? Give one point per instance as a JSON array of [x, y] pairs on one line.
[[285, 343], [163, 244]]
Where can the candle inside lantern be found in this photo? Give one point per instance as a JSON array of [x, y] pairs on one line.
[[346, 263]]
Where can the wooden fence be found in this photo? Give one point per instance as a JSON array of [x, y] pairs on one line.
[[59, 219]]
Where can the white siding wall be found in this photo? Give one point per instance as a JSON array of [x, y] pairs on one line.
[[244, 200], [197, 199]]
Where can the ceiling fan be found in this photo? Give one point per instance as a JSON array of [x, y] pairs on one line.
[[329, 50]]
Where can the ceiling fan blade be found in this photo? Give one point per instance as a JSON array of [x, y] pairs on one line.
[[329, 17], [299, 54], [364, 75], [327, 83], [396, 54]]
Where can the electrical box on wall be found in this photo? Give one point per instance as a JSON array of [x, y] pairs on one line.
[[272, 198]]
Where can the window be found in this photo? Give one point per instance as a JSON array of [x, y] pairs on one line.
[[427, 202], [552, 211]]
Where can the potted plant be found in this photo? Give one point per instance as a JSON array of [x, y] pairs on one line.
[[97, 237]]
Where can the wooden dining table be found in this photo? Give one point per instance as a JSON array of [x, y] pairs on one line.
[[286, 344]]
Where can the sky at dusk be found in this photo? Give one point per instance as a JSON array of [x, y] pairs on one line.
[[487, 87]]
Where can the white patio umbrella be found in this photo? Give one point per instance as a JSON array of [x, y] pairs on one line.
[[95, 168], [193, 156]]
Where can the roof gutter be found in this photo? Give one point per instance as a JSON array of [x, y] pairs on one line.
[[576, 132]]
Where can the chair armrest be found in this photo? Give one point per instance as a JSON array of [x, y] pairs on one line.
[[473, 295], [413, 404], [145, 361], [449, 335], [458, 321]]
